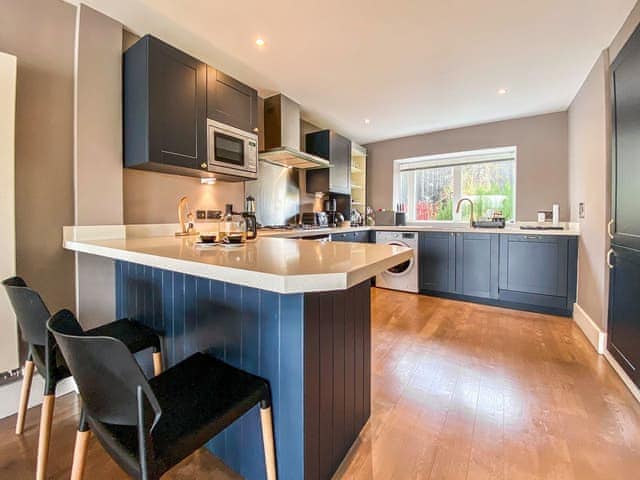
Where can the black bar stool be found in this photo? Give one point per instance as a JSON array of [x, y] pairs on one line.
[[148, 426], [32, 315]]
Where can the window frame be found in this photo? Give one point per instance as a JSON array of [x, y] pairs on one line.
[[452, 160]]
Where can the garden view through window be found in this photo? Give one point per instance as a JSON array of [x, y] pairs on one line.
[[430, 187]]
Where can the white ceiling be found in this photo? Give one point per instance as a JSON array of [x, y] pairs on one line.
[[410, 66]]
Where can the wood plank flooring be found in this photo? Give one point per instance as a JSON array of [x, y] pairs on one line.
[[460, 391]]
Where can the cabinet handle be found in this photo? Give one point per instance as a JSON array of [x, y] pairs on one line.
[[609, 227], [203, 165], [609, 253], [531, 237]]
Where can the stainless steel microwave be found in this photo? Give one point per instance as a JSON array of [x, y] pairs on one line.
[[232, 153]]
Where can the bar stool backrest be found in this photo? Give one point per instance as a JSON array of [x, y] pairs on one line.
[[107, 374], [31, 312]]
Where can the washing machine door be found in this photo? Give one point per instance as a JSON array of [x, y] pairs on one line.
[[402, 268]]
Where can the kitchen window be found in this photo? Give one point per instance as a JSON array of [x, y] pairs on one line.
[[430, 187]]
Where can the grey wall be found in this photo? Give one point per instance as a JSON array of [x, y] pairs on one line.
[[41, 34], [589, 180], [98, 155], [99, 120], [542, 167]]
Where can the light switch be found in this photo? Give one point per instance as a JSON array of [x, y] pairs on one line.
[[581, 210]]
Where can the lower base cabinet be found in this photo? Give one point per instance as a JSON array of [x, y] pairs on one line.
[[477, 263], [437, 261], [530, 272], [624, 304], [361, 237]]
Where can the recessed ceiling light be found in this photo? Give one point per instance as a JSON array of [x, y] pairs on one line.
[[367, 121], [260, 42], [502, 91]]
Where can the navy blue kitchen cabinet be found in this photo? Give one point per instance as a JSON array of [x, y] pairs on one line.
[[538, 270], [437, 261], [165, 105], [231, 102], [331, 146], [361, 237], [528, 272], [624, 304], [477, 264], [623, 339], [341, 237], [167, 97]]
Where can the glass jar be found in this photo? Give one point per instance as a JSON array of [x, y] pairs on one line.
[[232, 226]]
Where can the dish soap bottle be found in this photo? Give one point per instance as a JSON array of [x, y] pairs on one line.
[[232, 227]]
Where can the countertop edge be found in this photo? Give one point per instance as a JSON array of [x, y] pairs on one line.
[[282, 284]]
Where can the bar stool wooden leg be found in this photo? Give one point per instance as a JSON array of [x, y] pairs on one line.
[[48, 403], [267, 441], [80, 454], [24, 395], [157, 363]]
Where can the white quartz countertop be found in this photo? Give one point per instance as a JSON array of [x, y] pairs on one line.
[[569, 229], [276, 264]]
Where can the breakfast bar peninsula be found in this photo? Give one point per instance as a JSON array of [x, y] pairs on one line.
[[296, 312]]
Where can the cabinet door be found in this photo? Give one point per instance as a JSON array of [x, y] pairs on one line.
[[337, 149], [340, 157], [535, 264], [437, 258], [362, 237], [231, 102], [338, 237], [626, 143], [177, 107], [477, 261], [624, 305]]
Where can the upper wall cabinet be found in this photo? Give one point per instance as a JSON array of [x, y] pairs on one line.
[[337, 149], [168, 96], [165, 107], [231, 102]]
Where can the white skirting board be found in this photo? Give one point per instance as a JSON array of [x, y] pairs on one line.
[[596, 337], [10, 394]]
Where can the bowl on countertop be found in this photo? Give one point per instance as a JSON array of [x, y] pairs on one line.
[[208, 238]]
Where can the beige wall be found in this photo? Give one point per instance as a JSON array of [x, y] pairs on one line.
[[589, 183], [630, 24], [542, 167], [151, 197], [41, 34], [99, 120], [98, 156]]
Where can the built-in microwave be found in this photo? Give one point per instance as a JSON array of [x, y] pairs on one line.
[[232, 153]]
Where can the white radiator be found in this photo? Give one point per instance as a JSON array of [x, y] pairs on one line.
[[8, 328]]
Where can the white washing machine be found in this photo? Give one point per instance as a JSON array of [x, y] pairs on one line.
[[405, 275]]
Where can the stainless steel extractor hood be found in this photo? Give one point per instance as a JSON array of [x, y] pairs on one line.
[[282, 135]]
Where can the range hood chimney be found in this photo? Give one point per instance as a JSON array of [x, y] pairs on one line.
[[282, 135]]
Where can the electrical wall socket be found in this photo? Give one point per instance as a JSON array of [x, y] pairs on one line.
[[201, 214], [214, 214], [581, 210]]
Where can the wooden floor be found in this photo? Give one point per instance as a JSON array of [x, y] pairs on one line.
[[460, 391]]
